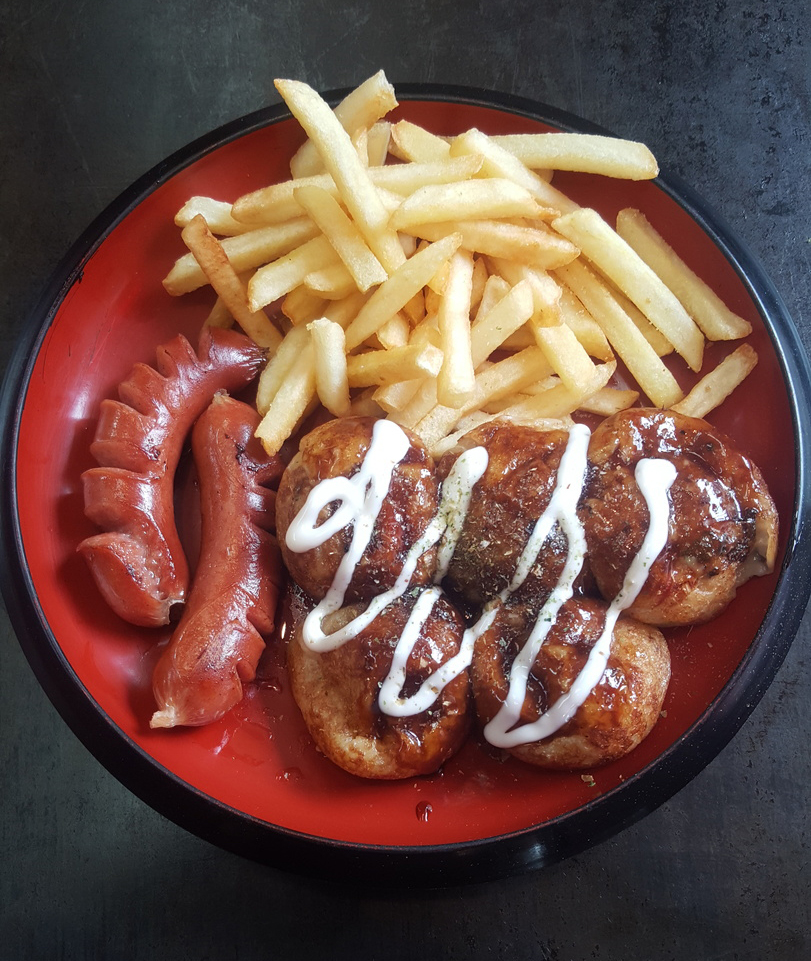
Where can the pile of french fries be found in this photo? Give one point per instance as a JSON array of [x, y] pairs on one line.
[[444, 281]]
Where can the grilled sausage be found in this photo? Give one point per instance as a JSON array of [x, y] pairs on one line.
[[219, 640], [138, 562]]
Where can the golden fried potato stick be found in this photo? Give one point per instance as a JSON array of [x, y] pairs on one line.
[[716, 385], [566, 356], [295, 341], [456, 377], [216, 213], [245, 252], [498, 162], [378, 139], [588, 153], [534, 246], [494, 326], [342, 163], [612, 256], [706, 308], [396, 365], [281, 276], [411, 142], [344, 236], [291, 402], [213, 261], [391, 296], [329, 352], [639, 357], [492, 198], [358, 111]]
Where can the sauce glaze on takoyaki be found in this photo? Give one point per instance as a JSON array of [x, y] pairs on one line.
[[723, 522]]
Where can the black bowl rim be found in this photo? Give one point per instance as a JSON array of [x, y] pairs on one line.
[[434, 865]]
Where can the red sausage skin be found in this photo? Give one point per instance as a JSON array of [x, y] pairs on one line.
[[232, 603], [138, 562]]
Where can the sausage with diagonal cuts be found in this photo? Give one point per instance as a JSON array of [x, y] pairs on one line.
[[138, 561], [232, 603]]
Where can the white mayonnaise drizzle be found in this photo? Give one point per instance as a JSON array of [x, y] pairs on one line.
[[360, 499], [562, 509], [654, 478]]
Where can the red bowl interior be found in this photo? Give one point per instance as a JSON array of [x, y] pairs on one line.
[[259, 759]]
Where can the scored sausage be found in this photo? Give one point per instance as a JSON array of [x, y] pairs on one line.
[[138, 562], [232, 603]]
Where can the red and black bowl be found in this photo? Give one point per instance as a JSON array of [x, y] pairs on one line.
[[253, 782]]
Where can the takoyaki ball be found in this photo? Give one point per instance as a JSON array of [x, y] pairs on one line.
[[621, 709], [722, 527], [337, 692], [505, 504], [337, 449]]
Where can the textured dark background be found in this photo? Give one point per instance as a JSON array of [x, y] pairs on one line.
[[96, 92]]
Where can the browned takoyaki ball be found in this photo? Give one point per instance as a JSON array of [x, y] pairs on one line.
[[337, 692], [619, 712], [505, 505], [337, 449], [723, 522]]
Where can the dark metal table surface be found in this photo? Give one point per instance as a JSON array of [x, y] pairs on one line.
[[96, 92]]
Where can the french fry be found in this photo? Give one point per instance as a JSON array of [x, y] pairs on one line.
[[341, 161], [654, 337], [479, 279], [495, 288], [464, 200], [456, 377], [377, 367], [344, 311], [585, 327], [333, 282], [344, 236], [423, 401], [716, 385], [219, 315], [394, 397], [414, 310], [329, 355], [624, 336], [498, 162], [377, 143], [301, 306], [277, 203], [612, 256], [406, 179], [715, 319], [245, 252], [360, 141], [546, 292], [411, 142], [364, 404], [559, 400], [566, 356], [213, 261], [216, 213], [509, 313], [392, 295], [290, 403], [588, 153], [359, 110], [609, 400], [498, 380], [279, 277], [279, 366], [533, 246], [394, 333]]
